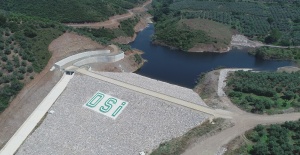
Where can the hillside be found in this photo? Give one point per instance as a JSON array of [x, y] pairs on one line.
[[273, 22], [23, 50], [77, 11]]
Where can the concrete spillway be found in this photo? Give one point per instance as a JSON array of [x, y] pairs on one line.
[[88, 58]]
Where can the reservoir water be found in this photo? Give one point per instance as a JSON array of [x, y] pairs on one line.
[[183, 68]]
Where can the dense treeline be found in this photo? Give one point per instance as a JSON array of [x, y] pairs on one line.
[[273, 22], [262, 92], [277, 53], [273, 140], [72, 10], [23, 50], [169, 32]]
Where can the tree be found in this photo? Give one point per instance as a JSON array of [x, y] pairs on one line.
[[2, 20], [16, 85], [260, 149], [29, 69], [273, 37], [30, 33], [270, 20]]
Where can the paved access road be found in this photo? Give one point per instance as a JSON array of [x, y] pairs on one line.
[[27, 127], [243, 122]]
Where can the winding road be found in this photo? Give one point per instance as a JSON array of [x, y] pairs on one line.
[[242, 120], [113, 21]]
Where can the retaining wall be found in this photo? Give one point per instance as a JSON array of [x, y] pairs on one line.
[[89, 57], [99, 58]]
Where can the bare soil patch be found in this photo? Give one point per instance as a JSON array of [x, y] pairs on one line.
[[288, 69], [71, 42], [233, 145], [207, 88]]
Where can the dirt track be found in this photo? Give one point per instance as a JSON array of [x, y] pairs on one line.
[[113, 21], [243, 121]]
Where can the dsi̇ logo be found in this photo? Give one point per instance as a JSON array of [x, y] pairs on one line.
[[106, 105]]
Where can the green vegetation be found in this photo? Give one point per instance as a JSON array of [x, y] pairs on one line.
[[23, 50], [277, 53], [173, 32], [78, 11], [273, 140], [138, 59], [169, 33], [104, 35], [262, 92], [127, 26], [24, 45], [177, 146], [273, 22], [219, 34]]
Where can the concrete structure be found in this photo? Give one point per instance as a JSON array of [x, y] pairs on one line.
[[214, 112], [89, 57], [27, 127], [111, 57], [145, 123]]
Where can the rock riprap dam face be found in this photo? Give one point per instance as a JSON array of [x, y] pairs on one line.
[[90, 118]]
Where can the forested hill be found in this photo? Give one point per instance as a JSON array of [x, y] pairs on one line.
[[70, 10], [270, 21]]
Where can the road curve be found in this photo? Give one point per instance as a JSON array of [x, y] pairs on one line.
[[112, 21], [243, 122]]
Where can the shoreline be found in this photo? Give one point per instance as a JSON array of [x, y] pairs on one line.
[[237, 41], [161, 43], [140, 26]]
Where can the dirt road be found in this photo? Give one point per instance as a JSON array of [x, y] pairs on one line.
[[243, 121], [113, 21], [241, 40]]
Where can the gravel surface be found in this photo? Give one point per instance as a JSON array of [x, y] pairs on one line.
[[142, 126], [240, 40], [157, 86], [222, 78]]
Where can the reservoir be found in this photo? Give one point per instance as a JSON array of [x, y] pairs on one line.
[[183, 68]]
